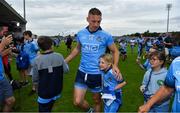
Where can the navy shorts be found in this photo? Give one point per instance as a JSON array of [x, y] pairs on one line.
[[5, 90], [90, 81]]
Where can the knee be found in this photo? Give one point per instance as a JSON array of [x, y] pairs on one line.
[[97, 100], [77, 102], [10, 101]]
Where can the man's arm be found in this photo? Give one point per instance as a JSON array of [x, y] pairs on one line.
[[74, 53], [115, 54], [6, 51], [161, 94]]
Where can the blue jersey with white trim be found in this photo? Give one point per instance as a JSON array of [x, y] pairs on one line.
[[140, 42], [31, 48], [93, 45], [109, 81], [173, 80]]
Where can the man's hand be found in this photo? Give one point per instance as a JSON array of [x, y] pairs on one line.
[[144, 108], [7, 40], [117, 73]]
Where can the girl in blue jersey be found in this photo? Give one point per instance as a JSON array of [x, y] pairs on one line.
[[111, 93], [154, 79]]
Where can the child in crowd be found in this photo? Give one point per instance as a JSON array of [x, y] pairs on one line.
[[111, 93], [140, 42], [31, 48], [148, 44], [154, 79], [48, 70], [22, 62], [123, 49], [132, 45]]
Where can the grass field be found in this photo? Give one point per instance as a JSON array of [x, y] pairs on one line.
[[132, 97]]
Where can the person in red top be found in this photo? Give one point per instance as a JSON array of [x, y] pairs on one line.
[[5, 54], [7, 99]]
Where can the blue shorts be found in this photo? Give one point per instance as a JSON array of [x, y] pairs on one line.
[[5, 90], [90, 81]]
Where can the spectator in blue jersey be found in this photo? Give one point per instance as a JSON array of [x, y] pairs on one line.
[[140, 42], [148, 44], [92, 42], [7, 99], [31, 48], [123, 49], [132, 45], [171, 85], [154, 79], [48, 69], [111, 93]]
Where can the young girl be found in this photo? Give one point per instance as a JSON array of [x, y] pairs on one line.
[[111, 93], [154, 79]]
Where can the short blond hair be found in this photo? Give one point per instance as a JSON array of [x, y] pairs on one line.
[[108, 58]]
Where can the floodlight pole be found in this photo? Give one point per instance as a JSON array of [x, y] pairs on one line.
[[168, 6], [24, 7]]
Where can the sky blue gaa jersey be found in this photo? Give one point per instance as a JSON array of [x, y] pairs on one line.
[[109, 81], [93, 45], [147, 64], [173, 80], [140, 42], [31, 49]]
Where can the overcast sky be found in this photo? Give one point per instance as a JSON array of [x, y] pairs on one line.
[[120, 17]]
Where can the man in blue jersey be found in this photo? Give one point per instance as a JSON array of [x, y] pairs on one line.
[[6, 94], [91, 42], [171, 84]]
